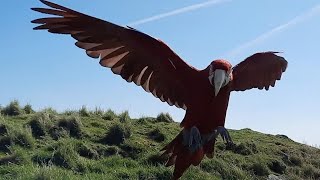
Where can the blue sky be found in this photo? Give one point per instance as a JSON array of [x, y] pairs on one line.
[[47, 70]]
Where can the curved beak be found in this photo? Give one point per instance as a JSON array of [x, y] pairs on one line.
[[219, 80]]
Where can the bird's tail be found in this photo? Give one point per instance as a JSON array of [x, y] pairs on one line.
[[182, 156]]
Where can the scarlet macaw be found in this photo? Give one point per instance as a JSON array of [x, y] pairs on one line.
[[151, 64]]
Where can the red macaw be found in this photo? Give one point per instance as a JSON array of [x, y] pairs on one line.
[[151, 64]]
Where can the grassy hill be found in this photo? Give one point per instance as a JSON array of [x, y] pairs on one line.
[[103, 145]]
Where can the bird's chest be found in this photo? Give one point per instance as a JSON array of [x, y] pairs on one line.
[[212, 113]]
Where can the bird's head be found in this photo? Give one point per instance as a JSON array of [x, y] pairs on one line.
[[220, 74]]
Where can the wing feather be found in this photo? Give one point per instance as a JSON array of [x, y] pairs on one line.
[[260, 70], [133, 55]]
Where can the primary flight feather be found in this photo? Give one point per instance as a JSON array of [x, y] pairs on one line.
[[151, 64]]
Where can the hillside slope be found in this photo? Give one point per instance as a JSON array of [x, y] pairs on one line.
[[104, 145]]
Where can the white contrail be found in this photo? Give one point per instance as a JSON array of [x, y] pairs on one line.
[[177, 11], [298, 19]]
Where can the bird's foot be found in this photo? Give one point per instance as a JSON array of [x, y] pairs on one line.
[[225, 135], [192, 139]]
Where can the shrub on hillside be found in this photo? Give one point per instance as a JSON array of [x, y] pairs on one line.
[[310, 172], [28, 109], [39, 123], [3, 130], [277, 166], [57, 132], [109, 115], [10, 159], [104, 150], [160, 172], [156, 135], [224, 169], [84, 112], [37, 128], [316, 162], [13, 109], [246, 148], [124, 117], [131, 150], [164, 117], [157, 159], [295, 160], [19, 136], [73, 125], [70, 113], [5, 143], [110, 150], [50, 112], [22, 137], [117, 134], [144, 120], [98, 112], [259, 169], [63, 154], [42, 158], [85, 150]]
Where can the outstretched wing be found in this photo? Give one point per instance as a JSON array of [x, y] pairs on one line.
[[133, 55], [260, 70]]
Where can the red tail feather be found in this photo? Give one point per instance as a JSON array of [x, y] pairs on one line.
[[182, 157]]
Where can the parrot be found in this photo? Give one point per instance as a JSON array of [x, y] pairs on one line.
[[153, 65]]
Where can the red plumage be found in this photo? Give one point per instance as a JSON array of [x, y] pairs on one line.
[[151, 64]]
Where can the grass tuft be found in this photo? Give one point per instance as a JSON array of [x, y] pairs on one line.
[[98, 112], [5, 143], [295, 160], [9, 159], [86, 151], [72, 124], [28, 109], [246, 148], [109, 115], [259, 169], [22, 137], [224, 169], [106, 151], [131, 150], [13, 109], [58, 132], [84, 112], [39, 123], [117, 134], [277, 166], [310, 172], [156, 159], [62, 154], [124, 117], [3, 130], [157, 135], [164, 117]]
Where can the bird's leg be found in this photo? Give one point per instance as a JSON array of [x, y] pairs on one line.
[[224, 134], [192, 139]]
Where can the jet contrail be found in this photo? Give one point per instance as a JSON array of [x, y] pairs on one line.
[[177, 11], [298, 19]]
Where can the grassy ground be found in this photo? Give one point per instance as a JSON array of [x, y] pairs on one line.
[[103, 145]]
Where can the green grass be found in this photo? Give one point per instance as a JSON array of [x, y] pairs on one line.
[[101, 144]]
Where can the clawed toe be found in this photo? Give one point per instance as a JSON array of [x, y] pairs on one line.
[[225, 135]]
